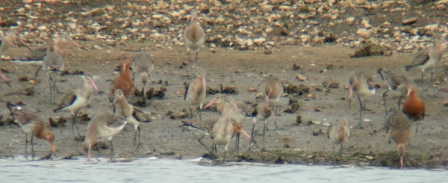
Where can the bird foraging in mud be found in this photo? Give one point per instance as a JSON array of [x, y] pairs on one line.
[[32, 124], [338, 132], [399, 130]]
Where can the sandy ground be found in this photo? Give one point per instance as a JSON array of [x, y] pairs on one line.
[[291, 143]]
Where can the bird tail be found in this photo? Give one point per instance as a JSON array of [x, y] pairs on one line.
[[10, 106], [191, 126]]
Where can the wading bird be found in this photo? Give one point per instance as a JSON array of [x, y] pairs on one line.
[[77, 99], [102, 126], [338, 133], [399, 130], [196, 92], [133, 115], [362, 85], [143, 66], [32, 124], [429, 58]]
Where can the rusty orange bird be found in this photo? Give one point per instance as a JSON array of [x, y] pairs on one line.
[[32, 124], [273, 89], [123, 82], [414, 107]]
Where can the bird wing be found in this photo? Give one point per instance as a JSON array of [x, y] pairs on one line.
[[141, 116], [422, 57], [67, 100]]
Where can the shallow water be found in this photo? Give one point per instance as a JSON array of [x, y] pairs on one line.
[[195, 170]]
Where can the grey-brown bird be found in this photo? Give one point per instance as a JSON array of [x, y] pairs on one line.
[[272, 88], [194, 35], [338, 132], [224, 130], [262, 112], [133, 115], [53, 65], [77, 100], [429, 58], [362, 85], [60, 45], [11, 39], [32, 124], [235, 116], [143, 66], [196, 91], [399, 130], [397, 82], [103, 126]]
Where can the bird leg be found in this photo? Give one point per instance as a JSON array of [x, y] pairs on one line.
[[225, 152], [275, 115], [26, 145], [191, 115], [252, 134], [200, 113], [237, 141], [340, 151], [74, 125], [422, 83], [51, 89], [111, 150], [334, 154], [360, 113], [196, 59], [98, 149], [200, 141], [384, 100], [139, 145], [32, 148], [416, 132], [432, 83], [264, 132]]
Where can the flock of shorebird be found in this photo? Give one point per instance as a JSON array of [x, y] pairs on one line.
[[221, 131]]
